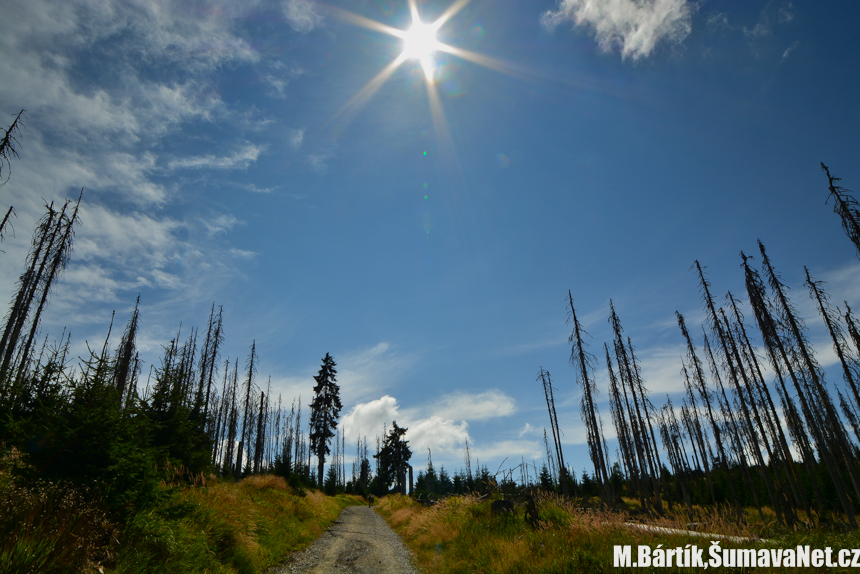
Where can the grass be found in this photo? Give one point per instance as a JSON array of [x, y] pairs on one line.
[[460, 535], [243, 527], [46, 528], [213, 526]]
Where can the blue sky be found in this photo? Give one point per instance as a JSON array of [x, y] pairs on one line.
[[228, 154]]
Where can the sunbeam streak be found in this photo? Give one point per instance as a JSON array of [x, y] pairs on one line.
[[420, 43], [450, 12], [359, 99], [486, 61], [363, 22]]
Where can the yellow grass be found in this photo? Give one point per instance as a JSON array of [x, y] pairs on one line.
[[244, 527], [460, 535]]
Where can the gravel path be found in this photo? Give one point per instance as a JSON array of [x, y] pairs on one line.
[[359, 542]]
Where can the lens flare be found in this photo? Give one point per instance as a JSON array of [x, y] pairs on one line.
[[419, 42]]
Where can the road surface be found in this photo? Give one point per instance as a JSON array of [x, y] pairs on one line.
[[359, 542]]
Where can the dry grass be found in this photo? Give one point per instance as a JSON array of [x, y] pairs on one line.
[[208, 526], [242, 527], [460, 535], [54, 528]]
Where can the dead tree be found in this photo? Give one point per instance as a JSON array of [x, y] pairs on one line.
[[625, 432], [722, 337], [583, 363], [815, 401], [672, 443], [8, 149], [846, 207], [247, 423], [698, 380], [545, 379], [642, 433]]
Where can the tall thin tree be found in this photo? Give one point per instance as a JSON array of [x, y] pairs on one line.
[[325, 410]]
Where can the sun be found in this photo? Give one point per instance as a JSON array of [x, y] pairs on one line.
[[419, 41]]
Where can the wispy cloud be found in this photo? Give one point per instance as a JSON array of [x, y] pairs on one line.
[[790, 49], [317, 161], [368, 372], [240, 159], [296, 138], [635, 27], [302, 15], [765, 26], [254, 189], [221, 224], [282, 77], [99, 118], [717, 20], [511, 450], [785, 14], [474, 406]]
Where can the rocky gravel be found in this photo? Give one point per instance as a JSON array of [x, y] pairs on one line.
[[359, 542]]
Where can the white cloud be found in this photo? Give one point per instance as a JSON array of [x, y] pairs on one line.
[[296, 138], [317, 161], [784, 13], [283, 76], [634, 26], [366, 419], [764, 26], [366, 373], [94, 280], [790, 49], [221, 224], [474, 406], [242, 253], [445, 438], [254, 189], [442, 427], [513, 450], [240, 159], [718, 20], [528, 429], [302, 15]]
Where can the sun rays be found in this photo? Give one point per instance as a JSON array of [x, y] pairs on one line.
[[419, 44]]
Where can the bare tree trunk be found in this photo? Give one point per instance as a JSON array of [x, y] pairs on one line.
[[583, 362], [770, 334]]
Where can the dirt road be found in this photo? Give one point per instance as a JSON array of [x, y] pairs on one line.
[[359, 542]]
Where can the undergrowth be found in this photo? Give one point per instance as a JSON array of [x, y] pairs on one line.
[[460, 534], [213, 526]]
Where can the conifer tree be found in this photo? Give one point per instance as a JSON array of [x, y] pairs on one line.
[[126, 363], [393, 458], [325, 410]]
